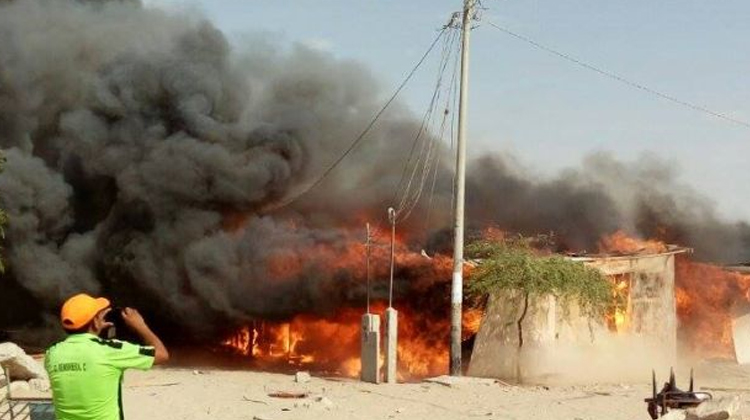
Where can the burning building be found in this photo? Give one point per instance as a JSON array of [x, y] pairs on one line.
[[648, 283], [665, 299], [542, 342], [148, 158], [710, 298]]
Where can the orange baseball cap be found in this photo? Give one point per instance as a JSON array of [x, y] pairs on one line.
[[80, 310]]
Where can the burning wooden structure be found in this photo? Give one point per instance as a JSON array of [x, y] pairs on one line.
[[550, 337]]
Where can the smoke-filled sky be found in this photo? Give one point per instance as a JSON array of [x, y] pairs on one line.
[[545, 110], [147, 155]]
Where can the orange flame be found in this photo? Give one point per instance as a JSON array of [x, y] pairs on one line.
[[704, 294], [621, 317], [621, 242], [707, 299], [472, 320], [332, 345]]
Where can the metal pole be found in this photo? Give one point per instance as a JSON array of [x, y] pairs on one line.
[[392, 219], [367, 257], [458, 250]]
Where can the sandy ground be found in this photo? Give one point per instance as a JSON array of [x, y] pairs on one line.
[[217, 394]]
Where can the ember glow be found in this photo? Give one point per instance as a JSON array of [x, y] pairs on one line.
[[305, 341], [619, 319], [331, 346], [708, 298], [329, 343]]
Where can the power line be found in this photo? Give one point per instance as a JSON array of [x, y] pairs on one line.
[[427, 150], [424, 126], [619, 78], [450, 103], [438, 153], [364, 132]]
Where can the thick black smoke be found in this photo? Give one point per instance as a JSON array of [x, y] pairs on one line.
[[134, 138], [146, 161], [643, 198]]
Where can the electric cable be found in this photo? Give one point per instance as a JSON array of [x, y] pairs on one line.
[[428, 153], [310, 186], [424, 124], [618, 78]]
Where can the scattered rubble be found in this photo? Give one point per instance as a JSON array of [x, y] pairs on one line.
[[720, 409], [25, 373], [19, 364], [302, 377], [288, 395]]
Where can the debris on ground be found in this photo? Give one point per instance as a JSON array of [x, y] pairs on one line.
[[288, 395], [24, 373], [454, 381], [302, 377]]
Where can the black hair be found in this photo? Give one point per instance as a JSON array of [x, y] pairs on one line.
[[81, 330]]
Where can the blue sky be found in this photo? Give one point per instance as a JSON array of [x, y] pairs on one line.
[[547, 111]]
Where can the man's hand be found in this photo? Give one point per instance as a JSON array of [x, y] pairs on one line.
[[133, 320], [101, 318]]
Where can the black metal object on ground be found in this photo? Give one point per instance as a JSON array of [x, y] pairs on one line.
[[671, 397]]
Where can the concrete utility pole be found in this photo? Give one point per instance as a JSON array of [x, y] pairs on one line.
[[392, 219], [370, 334], [367, 265], [460, 187], [391, 315]]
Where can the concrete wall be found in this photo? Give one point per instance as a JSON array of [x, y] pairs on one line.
[[547, 327], [558, 342]]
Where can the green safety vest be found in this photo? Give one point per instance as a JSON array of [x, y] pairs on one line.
[[86, 373]]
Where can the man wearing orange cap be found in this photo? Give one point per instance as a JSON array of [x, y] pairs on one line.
[[86, 371]]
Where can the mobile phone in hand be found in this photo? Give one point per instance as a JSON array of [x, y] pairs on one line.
[[115, 317]]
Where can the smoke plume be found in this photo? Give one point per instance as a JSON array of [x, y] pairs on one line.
[[146, 159], [643, 198]]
